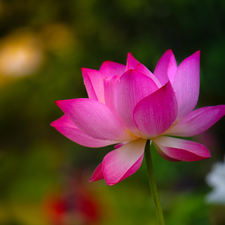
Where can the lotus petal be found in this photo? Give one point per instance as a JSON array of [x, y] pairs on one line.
[[110, 69], [109, 86], [66, 127], [94, 119], [143, 69], [155, 113], [197, 121], [131, 62], [93, 81], [186, 85], [166, 68], [123, 162], [130, 89], [180, 149], [97, 175]]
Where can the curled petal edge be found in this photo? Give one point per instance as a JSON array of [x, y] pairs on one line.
[[181, 150]]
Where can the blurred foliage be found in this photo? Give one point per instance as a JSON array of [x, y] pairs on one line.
[[43, 45]]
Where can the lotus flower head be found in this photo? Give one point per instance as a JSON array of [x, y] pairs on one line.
[[128, 105]]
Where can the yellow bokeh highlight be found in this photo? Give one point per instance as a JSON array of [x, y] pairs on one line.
[[21, 54]]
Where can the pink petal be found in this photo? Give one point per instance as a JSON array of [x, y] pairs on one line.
[[172, 67], [123, 162], [166, 68], [155, 113], [120, 145], [93, 81], [130, 89], [66, 127], [143, 69], [109, 69], [94, 119], [97, 175], [186, 85], [180, 149], [88, 84], [131, 62], [109, 86], [198, 121]]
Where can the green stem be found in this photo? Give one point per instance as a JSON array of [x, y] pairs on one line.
[[153, 186]]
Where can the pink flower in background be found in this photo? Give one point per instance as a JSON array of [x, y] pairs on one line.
[[128, 104], [73, 202]]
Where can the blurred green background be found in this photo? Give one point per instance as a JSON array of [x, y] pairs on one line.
[[43, 44]]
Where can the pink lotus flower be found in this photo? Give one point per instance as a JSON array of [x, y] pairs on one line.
[[129, 104]]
